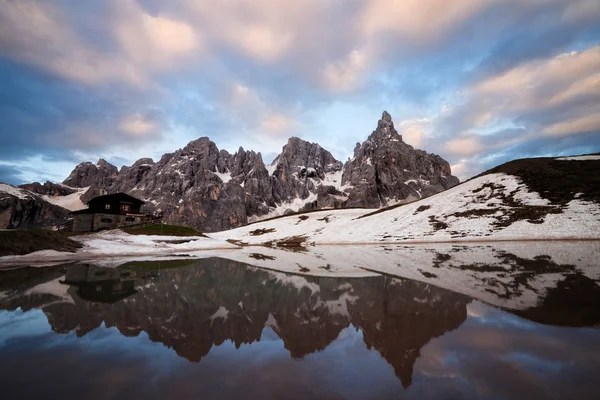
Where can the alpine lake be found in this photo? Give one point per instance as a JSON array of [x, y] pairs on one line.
[[493, 324]]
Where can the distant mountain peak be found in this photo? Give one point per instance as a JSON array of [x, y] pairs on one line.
[[211, 189]]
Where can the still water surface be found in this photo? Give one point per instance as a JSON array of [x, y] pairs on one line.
[[222, 329]]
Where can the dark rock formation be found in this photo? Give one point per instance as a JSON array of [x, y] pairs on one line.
[[385, 168], [22, 209], [86, 174], [48, 188], [211, 190]]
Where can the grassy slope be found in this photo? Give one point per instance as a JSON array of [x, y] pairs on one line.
[[17, 242], [556, 180], [166, 230]]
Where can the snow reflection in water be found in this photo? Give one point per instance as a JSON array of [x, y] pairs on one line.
[[223, 329]]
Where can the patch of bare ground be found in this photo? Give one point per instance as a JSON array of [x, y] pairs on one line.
[[259, 232], [556, 180], [421, 209], [292, 243], [516, 274], [19, 242], [575, 301], [441, 258], [258, 256], [513, 211], [178, 241], [302, 218], [427, 274], [436, 223]]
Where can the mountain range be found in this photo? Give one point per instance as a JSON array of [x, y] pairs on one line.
[[212, 190]]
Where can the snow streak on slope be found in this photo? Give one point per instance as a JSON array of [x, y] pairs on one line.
[[294, 205], [15, 191], [580, 158], [71, 202], [490, 207]]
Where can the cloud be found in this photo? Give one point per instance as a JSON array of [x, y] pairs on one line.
[[590, 123], [136, 125], [464, 146], [250, 111], [40, 34], [11, 175], [507, 112], [414, 131], [345, 74], [155, 41], [276, 124], [422, 21], [77, 78]]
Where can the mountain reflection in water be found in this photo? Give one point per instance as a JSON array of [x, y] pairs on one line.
[[199, 307]]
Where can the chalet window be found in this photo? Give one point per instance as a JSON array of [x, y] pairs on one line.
[[125, 207], [106, 220], [107, 207]]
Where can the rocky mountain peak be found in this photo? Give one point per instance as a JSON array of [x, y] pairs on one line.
[[86, 174], [143, 162], [48, 188], [386, 170], [246, 162], [386, 117], [385, 129], [102, 163], [198, 144], [211, 189], [299, 153]]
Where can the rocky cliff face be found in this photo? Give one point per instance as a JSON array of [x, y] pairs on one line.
[[214, 190], [386, 170], [48, 189], [102, 174], [20, 208]]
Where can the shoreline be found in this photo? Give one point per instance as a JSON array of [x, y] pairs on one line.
[[51, 257]]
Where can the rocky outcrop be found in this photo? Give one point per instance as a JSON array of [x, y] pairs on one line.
[[48, 188], [23, 209], [101, 174], [384, 169], [210, 189]]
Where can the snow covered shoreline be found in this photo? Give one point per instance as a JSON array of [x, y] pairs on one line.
[[116, 250]]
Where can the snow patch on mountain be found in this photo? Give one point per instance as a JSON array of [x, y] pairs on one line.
[[484, 208], [71, 202], [580, 158], [295, 205], [14, 191]]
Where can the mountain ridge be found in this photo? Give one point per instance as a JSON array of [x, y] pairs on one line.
[[211, 189]]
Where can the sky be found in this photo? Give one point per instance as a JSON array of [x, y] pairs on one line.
[[479, 82]]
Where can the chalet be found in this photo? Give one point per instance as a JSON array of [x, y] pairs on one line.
[[109, 211], [102, 285]]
